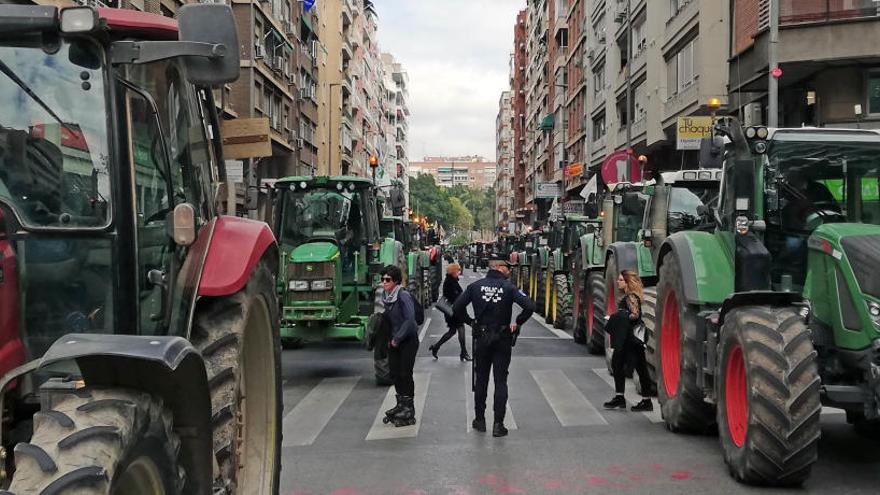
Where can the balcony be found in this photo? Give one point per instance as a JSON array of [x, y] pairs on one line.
[[677, 24], [346, 140], [680, 102], [792, 12]]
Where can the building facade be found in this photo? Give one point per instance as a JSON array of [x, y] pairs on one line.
[[394, 160], [518, 114], [468, 171], [504, 179]]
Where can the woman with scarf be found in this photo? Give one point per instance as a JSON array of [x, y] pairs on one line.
[[400, 318], [451, 291], [626, 345]]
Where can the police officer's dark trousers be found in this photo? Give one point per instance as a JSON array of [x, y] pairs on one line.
[[401, 361], [492, 353]]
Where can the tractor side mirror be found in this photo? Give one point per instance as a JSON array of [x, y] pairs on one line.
[[632, 204], [211, 24], [711, 152], [591, 229], [182, 224]]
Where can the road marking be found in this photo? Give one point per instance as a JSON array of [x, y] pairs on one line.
[[562, 334], [424, 329], [630, 394], [521, 337], [568, 403], [382, 431], [310, 416], [509, 420]]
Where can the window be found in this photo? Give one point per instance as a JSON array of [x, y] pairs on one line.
[[599, 127], [680, 69], [639, 31], [640, 103], [599, 79], [874, 93]]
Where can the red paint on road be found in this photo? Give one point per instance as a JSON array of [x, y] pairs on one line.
[[598, 481], [553, 485], [348, 490], [680, 475], [489, 479]]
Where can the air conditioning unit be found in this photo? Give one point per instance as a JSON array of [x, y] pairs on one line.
[[259, 52], [288, 27], [291, 136], [304, 93], [277, 63], [752, 115], [300, 143]]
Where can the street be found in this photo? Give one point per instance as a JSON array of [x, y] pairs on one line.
[[561, 440]]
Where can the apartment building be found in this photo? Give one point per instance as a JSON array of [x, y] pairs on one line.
[[539, 121], [518, 111], [394, 161], [504, 180], [828, 53], [448, 171]]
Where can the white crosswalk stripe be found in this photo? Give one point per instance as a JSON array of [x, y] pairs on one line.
[[509, 420], [631, 396], [382, 431], [568, 403], [310, 416]]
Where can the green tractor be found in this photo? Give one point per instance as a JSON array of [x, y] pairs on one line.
[[676, 202], [329, 234], [776, 312], [565, 236], [401, 244]]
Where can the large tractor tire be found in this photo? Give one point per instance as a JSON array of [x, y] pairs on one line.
[[595, 312], [239, 340], [649, 317], [377, 341], [540, 291], [101, 441], [612, 295], [415, 285], [768, 396], [291, 343], [676, 356], [562, 298], [578, 296]]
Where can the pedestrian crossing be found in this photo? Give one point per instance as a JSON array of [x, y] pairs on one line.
[[305, 421]]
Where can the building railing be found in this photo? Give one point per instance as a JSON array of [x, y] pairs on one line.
[[818, 11]]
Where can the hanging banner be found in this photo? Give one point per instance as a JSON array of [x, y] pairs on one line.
[[307, 5], [574, 170], [691, 130]]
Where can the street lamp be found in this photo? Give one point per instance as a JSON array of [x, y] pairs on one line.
[[374, 162]]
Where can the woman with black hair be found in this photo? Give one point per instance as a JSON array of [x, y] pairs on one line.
[[400, 317]]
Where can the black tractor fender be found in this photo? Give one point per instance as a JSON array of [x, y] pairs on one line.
[[758, 298], [625, 255], [169, 368]]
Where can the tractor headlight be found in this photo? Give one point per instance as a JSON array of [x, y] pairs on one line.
[[742, 225], [322, 284], [78, 20], [874, 311], [299, 285]]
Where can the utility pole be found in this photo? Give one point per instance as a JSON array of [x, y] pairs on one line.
[[330, 130], [629, 62], [773, 59]]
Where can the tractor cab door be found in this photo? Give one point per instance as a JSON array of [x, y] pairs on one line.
[[172, 163]]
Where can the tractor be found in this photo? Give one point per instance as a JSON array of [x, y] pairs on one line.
[[565, 236], [400, 242], [776, 311], [536, 256], [135, 314], [329, 234]]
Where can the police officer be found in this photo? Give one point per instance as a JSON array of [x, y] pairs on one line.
[[494, 336]]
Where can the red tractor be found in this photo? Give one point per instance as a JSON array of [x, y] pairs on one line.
[[139, 344]]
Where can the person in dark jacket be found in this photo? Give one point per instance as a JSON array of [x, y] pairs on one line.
[[451, 291], [627, 347], [400, 316], [493, 298]]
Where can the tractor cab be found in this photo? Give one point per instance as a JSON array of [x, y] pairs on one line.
[[623, 209], [329, 235]]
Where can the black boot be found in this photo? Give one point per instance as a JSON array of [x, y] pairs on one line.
[[479, 424], [618, 402], [434, 348], [499, 430], [643, 406], [465, 356], [396, 409]]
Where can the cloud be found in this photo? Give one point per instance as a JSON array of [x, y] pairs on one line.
[[457, 54]]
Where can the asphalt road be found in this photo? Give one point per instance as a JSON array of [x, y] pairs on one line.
[[561, 440]]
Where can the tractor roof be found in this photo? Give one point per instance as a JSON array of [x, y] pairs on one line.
[[139, 24], [706, 174], [323, 180]]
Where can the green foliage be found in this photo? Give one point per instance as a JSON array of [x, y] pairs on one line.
[[459, 240], [463, 208]]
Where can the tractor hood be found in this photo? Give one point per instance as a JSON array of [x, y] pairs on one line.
[[861, 245], [314, 252]]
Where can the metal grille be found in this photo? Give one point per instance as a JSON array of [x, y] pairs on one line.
[[863, 253], [311, 271], [324, 295]]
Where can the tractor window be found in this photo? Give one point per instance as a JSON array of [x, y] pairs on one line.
[[812, 181], [683, 204], [53, 133], [320, 215], [629, 216]]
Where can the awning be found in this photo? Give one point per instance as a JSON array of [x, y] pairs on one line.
[[547, 123], [308, 24]]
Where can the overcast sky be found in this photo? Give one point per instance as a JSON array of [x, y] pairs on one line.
[[457, 54]]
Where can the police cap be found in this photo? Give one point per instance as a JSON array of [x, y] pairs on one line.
[[496, 260]]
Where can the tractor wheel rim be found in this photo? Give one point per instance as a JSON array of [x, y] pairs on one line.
[[141, 477], [256, 447], [670, 345], [554, 308], [546, 294], [737, 404]]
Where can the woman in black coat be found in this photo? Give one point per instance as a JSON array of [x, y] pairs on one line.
[[451, 290], [627, 347]]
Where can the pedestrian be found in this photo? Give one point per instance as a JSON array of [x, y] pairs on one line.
[[400, 317], [627, 346], [451, 291], [494, 336]]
